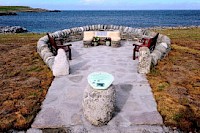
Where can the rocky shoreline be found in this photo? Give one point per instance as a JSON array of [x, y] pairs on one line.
[[7, 13], [14, 13], [12, 29]]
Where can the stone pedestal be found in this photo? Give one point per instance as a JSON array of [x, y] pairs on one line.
[[61, 64], [144, 64], [98, 105]]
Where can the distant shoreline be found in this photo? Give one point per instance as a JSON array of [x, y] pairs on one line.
[[13, 10], [19, 29]]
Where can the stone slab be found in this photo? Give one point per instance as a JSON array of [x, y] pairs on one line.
[[136, 109]]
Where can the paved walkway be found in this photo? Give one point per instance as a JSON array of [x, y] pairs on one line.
[[136, 109]]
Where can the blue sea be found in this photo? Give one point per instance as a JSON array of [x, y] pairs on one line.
[[53, 21]]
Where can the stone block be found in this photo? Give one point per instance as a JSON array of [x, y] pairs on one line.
[[34, 130], [40, 46], [44, 51], [108, 27], [95, 27], [68, 31], [87, 28], [121, 28], [101, 26], [49, 61], [138, 31], [64, 34], [158, 53], [111, 26], [105, 27], [90, 27], [125, 29], [44, 39], [166, 39], [47, 55], [84, 27], [61, 64], [163, 48], [76, 30], [81, 29], [155, 57], [130, 29], [144, 63], [98, 105]]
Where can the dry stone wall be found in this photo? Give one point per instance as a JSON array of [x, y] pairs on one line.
[[127, 33]]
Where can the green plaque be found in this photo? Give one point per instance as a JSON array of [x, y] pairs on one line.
[[100, 80]]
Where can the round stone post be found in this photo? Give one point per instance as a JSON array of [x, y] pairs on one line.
[[98, 104]]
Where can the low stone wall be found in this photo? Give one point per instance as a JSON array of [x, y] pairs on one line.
[[127, 33]]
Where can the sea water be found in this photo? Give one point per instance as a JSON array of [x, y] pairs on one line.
[[53, 21]]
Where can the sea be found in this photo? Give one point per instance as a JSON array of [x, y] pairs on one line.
[[53, 21]]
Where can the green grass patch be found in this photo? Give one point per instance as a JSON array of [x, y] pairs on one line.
[[162, 86], [13, 8]]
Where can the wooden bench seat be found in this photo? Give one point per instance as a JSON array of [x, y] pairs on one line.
[[145, 42], [54, 46]]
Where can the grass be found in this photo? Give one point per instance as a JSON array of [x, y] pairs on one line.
[[19, 9], [176, 80], [24, 82], [13, 8]]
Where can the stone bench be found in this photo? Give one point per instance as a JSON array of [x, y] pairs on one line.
[[114, 36]]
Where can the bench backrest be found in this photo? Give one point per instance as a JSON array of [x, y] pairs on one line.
[[88, 35], [114, 35], [153, 41], [52, 44]]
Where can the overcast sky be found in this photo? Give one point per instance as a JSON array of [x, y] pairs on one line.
[[107, 4]]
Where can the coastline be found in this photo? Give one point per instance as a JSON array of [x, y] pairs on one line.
[[13, 10], [20, 29]]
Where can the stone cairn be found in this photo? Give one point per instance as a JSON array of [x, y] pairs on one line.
[[126, 33], [98, 105]]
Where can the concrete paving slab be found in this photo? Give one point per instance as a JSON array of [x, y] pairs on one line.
[[136, 109]]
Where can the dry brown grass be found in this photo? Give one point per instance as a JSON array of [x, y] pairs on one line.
[[176, 80], [24, 82]]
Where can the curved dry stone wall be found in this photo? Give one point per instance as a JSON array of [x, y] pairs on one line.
[[127, 33]]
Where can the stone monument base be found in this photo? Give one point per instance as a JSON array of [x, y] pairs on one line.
[[98, 105]]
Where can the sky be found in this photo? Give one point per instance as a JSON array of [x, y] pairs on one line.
[[107, 4]]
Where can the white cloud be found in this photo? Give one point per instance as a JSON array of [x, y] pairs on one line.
[[92, 1]]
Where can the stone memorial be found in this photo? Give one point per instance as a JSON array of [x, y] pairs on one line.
[[61, 64], [99, 99]]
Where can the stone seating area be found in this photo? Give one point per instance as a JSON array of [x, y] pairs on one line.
[[66, 103], [129, 105], [126, 33]]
